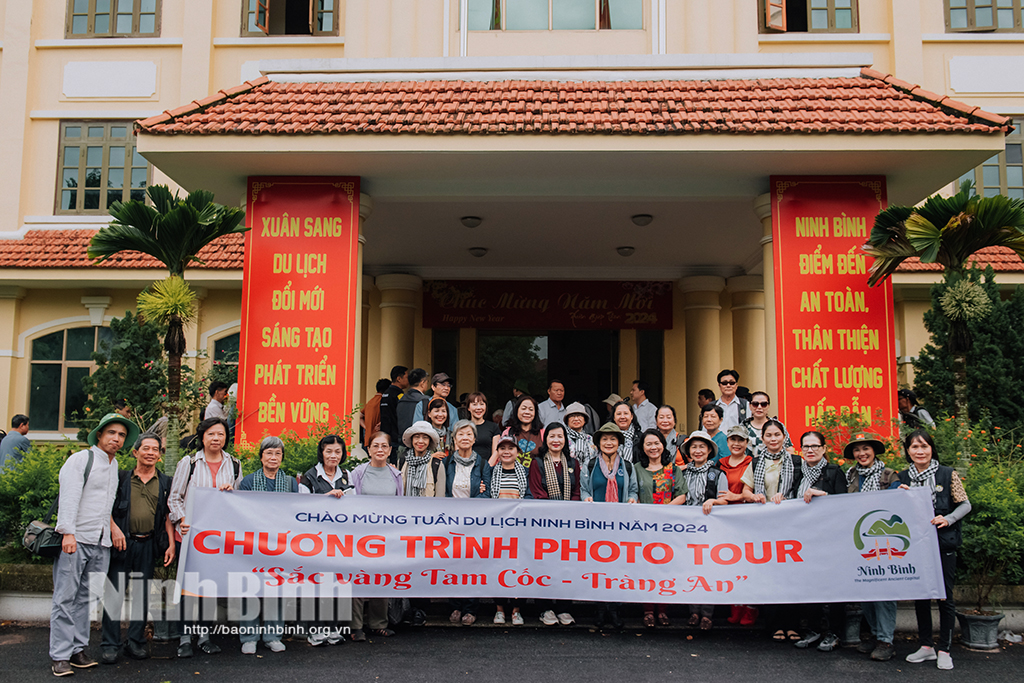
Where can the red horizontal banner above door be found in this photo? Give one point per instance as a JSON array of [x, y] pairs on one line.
[[547, 305]]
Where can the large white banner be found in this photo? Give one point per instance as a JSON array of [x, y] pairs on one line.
[[846, 548]]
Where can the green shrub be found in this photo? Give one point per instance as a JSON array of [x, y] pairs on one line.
[[299, 453], [839, 427], [993, 533], [28, 488]]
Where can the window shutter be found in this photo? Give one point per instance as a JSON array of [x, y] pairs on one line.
[[312, 16], [263, 15], [775, 14]]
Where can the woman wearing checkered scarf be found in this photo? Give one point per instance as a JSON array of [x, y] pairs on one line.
[[951, 505], [508, 479], [871, 474]]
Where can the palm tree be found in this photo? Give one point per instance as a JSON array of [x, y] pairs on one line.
[[948, 231], [172, 231]]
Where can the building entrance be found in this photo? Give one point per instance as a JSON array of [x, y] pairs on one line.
[[586, 362]]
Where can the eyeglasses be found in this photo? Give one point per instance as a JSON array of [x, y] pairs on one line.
[[814, 446], [726, 383], [759, 404], [379, 446]]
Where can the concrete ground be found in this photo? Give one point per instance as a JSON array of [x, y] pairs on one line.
[[518, 654]]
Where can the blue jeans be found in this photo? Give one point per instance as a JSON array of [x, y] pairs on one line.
[[881, 618]]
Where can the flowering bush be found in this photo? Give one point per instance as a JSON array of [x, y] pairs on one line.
[[839, 427]]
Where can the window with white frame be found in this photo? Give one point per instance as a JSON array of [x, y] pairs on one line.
[[1002, 173], [555, 15], [97, 165], [290, 17], [112, 18], [60, 361], [984, 15], [808, 16]]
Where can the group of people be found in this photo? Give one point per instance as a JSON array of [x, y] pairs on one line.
[[125, 522]]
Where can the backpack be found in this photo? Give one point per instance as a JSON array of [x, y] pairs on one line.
[[192, 467]]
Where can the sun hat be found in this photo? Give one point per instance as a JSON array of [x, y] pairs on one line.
[[613, 399], [706, 438], [576, 408], [133, 430], [420, 427], [869, 438], [508, 438], [738, 431], [610, 428]]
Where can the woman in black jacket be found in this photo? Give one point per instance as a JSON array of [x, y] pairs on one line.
[[951, 505], [327, 476], [819, 477]]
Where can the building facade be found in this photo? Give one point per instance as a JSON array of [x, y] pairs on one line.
[[498, 141]]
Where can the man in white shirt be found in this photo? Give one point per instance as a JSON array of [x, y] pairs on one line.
[[553, 409], [88, 484], [218, 395], [644, 410], [735, 409]]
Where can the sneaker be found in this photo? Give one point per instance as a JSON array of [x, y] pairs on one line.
[[336, 637], [468, 619], [866, 647], [499, 617], [828, 643], [944, 660], [883, 652], [548, 618], [517, 619], [455, 617], [80, 660], [317, 638], [924, 654], [810, 639], [276, 646], [565, 619], [62, 668], [249, 648]]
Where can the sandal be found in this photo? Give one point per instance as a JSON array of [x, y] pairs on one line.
[[382, 632], [663, 619], [705, 624], [779, 635], [694, 620], [648, 619], [793, 635]]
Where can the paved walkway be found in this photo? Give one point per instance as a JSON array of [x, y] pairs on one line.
[[516, 655]]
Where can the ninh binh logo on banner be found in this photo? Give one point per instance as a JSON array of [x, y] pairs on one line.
[[835, 335], [297, 353]]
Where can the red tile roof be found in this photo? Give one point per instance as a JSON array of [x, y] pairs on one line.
[[66, 249], [1000, 258], [871, 103]]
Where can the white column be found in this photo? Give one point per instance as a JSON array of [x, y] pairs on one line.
[[748, 329], [398, 295], [763, 209], [703, 336], [365, 209]]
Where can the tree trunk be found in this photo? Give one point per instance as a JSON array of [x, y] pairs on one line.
[[174, 346], [962, 416]]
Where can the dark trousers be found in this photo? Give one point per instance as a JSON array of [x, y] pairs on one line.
[[781, 617], [822, 617], [465, 605], [947, 609], [703, 610], [136, 562]]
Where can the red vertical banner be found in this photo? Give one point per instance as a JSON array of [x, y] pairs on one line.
[[835, 335], [297, 354]]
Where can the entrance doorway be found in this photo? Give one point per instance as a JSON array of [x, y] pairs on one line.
[[586, 362]]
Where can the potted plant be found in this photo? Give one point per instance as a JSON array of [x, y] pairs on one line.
[[993, 540]]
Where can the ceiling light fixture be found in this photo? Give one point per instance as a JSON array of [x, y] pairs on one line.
[[471, 221], [642, 219], [625, 251], [478, 251]]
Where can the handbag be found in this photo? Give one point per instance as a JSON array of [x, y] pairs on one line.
[[41, 538]]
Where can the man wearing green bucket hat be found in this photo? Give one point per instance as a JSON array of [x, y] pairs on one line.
[[88, 483]]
